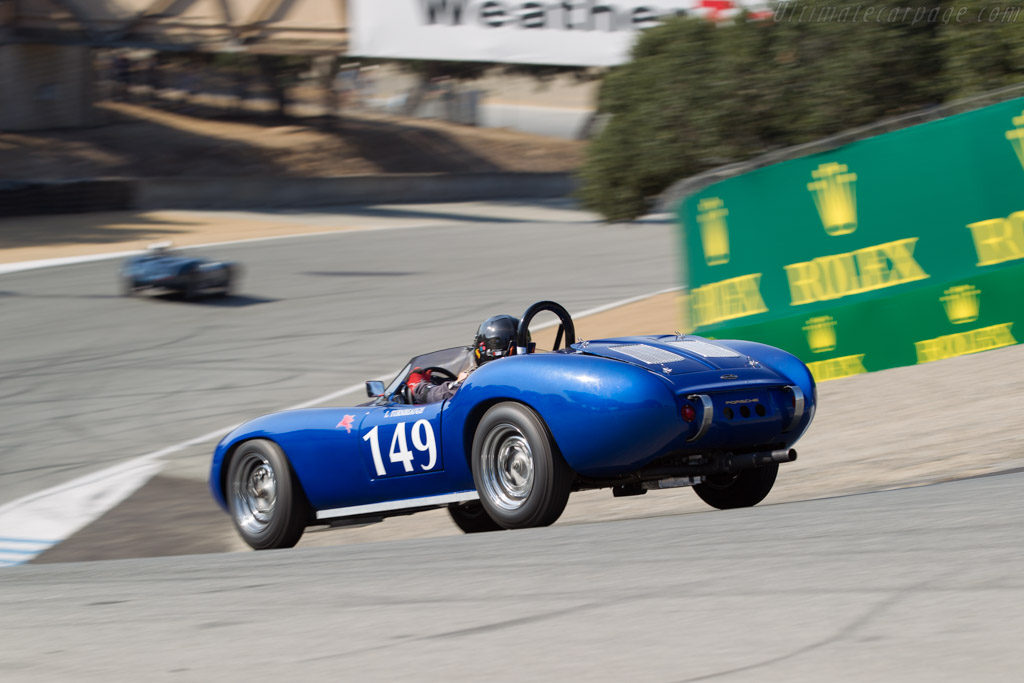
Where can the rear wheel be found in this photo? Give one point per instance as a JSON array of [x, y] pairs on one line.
[[741, 489], [472, 518], [193, 287], [267, 504], [522, 479]]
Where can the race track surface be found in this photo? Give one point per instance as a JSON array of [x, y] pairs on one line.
[[90, 379], [914, 584], [921, 584]]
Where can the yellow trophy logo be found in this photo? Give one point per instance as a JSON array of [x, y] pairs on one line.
[[835, 195], [962, 303], [1016, 137], [714, 233], [821, 333]]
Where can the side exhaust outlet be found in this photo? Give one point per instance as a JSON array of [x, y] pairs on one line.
[[708, 414], [784, 455], [742, 461]]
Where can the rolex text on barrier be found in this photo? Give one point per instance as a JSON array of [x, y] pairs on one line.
[[900, 249]]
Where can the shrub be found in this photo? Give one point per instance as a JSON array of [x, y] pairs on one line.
[[697, 95]]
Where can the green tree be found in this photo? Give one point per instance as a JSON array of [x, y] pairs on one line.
[[697, 95], [984, 46]]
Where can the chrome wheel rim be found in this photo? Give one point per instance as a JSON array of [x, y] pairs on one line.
[[255, 493], [507, 467]]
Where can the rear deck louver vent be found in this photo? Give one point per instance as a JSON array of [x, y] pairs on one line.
[[704, 349], [647, 354]]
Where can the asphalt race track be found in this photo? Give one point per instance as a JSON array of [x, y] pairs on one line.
[[922, 584], [90, 379], [915, 584]]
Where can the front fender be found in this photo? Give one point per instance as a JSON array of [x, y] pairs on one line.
[[313, 442], [265, 427]]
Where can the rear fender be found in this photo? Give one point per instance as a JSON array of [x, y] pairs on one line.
[[787, 365], [599, 412]]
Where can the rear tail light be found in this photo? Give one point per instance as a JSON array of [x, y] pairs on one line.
[[689, 413]]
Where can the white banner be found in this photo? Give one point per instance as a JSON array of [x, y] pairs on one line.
[[569, 32]]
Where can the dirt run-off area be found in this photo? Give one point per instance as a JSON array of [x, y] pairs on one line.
[[155, 139]]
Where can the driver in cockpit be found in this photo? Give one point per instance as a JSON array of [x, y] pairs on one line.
[[495, 339]]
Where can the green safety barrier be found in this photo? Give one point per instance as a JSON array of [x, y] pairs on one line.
[[899, 249]]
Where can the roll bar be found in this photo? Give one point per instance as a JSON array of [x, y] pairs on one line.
[[565, 325]]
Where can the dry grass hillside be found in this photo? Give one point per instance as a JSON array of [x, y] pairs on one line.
[[148, 140]]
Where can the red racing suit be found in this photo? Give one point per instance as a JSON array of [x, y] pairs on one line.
[[425, 391]]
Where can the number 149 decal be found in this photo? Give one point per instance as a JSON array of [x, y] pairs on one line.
[[422, 440]]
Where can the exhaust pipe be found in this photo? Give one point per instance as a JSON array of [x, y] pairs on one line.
[[744, 461], [784, 455]]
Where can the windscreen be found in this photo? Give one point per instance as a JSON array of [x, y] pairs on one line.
[[454, 360]]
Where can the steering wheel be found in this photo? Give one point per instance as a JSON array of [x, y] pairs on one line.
[[405, 394], [446, 375], [565, 325]]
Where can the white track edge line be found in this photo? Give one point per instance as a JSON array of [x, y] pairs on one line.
[[22, 266], [143, 460]]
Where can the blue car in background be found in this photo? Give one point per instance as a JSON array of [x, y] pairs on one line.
[[630, 414], [160, 267]]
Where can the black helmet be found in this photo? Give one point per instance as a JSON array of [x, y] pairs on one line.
[[495, 338]]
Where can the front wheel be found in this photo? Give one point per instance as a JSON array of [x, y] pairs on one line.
[[741, 489], [472, 518], [267, 504], [522, 479]]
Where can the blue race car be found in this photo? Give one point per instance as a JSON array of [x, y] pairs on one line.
[[160, 267], [630, 414]]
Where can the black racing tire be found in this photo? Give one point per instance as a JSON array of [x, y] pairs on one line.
[[193, 287], [521, 478], [742, 489], [265, 499], [472, 518], [228, 288]]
